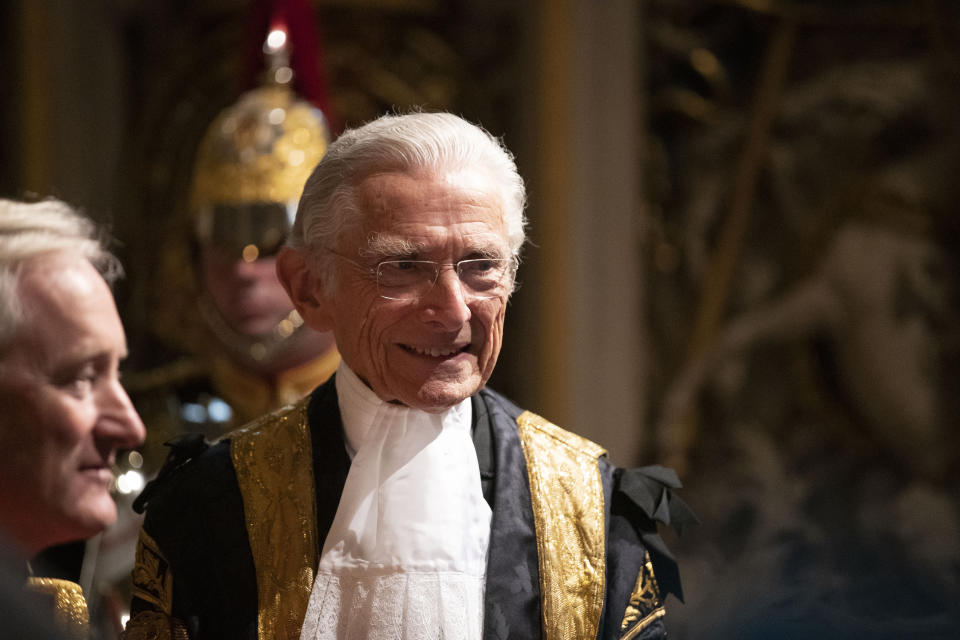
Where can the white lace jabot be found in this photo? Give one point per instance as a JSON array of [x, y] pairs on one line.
[[406, 554]]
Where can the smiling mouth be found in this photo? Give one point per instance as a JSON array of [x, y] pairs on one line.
[[98, 472], [435, 352]]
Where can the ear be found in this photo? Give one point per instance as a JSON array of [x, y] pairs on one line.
[[305, 289]]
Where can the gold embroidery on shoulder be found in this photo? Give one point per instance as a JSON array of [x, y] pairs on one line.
[[580, 444], [567, 495], [70, 615], [273, 459], [152, 578], [644, 607]]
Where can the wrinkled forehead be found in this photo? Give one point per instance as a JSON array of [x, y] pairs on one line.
[[429, 211]]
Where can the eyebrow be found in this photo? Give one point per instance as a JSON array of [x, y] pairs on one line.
[[382, 245], [486, 252]]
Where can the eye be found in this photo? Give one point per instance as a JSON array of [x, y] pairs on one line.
[[81, 378], [394, 274], [81, 382], [397, 268], [482, 265]]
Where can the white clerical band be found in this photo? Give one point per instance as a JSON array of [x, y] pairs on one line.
[[406, 554]]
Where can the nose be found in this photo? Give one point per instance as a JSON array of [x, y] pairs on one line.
[[446, 303], [119, 424]]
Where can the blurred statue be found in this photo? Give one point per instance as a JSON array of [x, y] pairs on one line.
[[816, 424]]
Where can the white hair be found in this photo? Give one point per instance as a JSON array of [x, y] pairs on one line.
[[31, 230], [435, 144]]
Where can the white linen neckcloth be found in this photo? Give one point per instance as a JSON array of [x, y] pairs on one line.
[[405, 558]]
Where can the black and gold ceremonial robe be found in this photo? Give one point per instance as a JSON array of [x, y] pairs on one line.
[[233, 530]]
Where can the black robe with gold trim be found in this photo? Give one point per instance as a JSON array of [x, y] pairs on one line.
[[200, 563]]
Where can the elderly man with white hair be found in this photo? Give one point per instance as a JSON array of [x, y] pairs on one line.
[[64, 413], [404, 499]]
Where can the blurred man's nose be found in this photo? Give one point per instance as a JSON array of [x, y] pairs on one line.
[[119, 422]]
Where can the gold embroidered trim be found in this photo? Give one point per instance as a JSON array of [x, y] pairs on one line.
[[70, 614], [153, 625], [567, 496], [148, 625], [643, 624], [644, 600], [273, 460], [151, 575]]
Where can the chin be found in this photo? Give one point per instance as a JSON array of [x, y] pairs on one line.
[[94, 515], [435, 400]]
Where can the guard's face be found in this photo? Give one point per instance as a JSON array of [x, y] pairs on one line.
[[435, 351], [65, 414], [246, 293]]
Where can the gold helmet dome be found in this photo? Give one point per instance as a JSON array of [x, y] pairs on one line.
[[251, 166]]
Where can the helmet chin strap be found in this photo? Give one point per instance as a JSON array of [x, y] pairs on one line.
[[253, 349]]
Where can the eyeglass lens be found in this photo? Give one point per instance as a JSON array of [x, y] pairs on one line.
[[410, 279]]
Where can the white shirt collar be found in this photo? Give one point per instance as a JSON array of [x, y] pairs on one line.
[[361, 408]]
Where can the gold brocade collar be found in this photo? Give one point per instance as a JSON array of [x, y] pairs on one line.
[[251, 396], [568, 513], [273, 460]]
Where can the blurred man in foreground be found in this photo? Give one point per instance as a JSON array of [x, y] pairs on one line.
[[64, 414], [402, 499]]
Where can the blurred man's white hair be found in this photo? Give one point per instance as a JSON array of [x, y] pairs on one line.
[[30, 230]]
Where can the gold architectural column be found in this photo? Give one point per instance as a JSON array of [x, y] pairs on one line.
[[33, 98], [585, 212], [69, 96], [553, 206]]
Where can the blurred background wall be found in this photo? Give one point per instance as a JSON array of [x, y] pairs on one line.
[[743, 257]]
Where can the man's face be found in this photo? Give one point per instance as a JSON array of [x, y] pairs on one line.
[[433, 352], [64, 412], [247, 294]]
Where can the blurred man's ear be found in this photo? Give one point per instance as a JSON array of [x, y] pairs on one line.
[[305, 289]]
